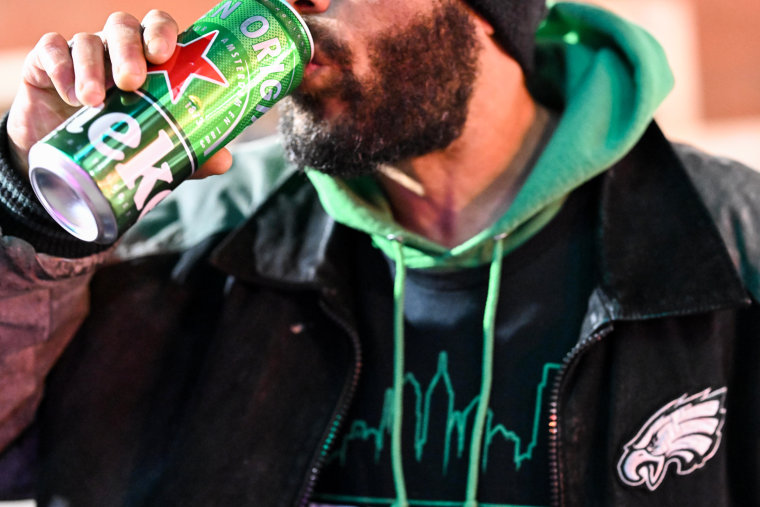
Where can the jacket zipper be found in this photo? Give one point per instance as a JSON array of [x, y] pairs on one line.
[[554, 466], [339, 416]]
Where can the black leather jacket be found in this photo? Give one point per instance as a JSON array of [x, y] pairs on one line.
[[200, 383]]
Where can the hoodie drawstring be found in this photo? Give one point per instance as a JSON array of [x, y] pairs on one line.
[[398, 372], [489, 329]]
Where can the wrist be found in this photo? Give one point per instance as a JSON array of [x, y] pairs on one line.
[[17, 154]]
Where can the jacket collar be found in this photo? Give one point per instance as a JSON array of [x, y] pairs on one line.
[[659, 252]]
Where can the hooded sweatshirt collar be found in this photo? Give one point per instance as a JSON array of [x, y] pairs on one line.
[[596, 62], [290, 242]]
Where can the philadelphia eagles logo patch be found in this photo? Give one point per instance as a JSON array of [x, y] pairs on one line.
[[685, 433]]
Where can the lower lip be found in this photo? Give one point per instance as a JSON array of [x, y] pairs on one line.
[[311, 68]]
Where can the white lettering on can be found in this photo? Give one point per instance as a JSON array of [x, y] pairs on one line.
[[266, 86], [269, 47], [154, 201], [104, 127], [270, 89], [76, 125], [226, 9], [245, 27], [142, 166]]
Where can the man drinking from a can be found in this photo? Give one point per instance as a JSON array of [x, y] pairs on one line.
[[469, 269]]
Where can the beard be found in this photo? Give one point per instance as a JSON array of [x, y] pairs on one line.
[[415, 102]]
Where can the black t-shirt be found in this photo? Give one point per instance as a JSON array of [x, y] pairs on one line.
[[543, 296]]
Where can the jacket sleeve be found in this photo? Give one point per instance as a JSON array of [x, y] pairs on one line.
[[45, 272], [43, 295], [43, 300]]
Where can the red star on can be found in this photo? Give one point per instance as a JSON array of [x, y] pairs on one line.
[[190, 60]]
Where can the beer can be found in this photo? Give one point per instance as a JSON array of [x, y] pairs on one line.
[[106, 166]]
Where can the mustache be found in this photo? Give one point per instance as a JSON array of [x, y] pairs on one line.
[[329, 46]]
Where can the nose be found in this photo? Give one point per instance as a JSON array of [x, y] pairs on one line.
[[310, 6]]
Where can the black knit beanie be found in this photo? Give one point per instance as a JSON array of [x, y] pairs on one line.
[[515, 23]]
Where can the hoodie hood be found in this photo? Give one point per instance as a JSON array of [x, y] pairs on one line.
[[607, 76]]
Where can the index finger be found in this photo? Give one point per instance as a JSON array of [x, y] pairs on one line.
[[160, 36], [123, 34]]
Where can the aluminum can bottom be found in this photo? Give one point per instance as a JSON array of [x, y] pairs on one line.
[[70, 195]]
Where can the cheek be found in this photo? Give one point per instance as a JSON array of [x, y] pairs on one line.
[[362, 66], [362, 23], [359, 44]]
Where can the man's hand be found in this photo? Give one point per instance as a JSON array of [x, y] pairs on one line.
[[59, 76]]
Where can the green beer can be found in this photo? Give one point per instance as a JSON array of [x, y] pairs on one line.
[[106, 166]]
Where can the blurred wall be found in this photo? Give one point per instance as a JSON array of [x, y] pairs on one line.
[[713, 46], [22, 22], [714, 50]]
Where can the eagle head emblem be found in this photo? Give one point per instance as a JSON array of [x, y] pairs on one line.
[[685, 433]]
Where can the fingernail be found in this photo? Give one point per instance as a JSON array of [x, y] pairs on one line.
[[71, 95], [91, 94]]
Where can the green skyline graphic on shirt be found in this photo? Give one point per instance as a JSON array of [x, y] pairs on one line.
[[456, 421]]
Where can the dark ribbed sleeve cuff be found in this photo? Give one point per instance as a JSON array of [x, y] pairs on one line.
[[22, 216]]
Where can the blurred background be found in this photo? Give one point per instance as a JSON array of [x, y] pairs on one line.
[[713, 46]]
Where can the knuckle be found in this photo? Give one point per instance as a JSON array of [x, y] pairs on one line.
[[52, 40], [159, 16], [59, 70], [83, 37], [123, 20], [52, 51], [79, 37]]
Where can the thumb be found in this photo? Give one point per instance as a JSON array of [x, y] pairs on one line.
[[219, 163]]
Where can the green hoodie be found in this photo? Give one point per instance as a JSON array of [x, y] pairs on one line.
[[611, 76]]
